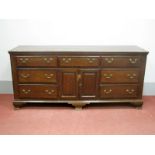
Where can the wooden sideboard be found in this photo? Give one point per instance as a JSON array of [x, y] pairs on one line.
[[78, 75]]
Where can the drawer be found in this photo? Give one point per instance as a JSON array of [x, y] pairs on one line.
[[79, 61], [118, 91], [38, 91], [120, 76], [37, 76], [121, 61], [35, 61]]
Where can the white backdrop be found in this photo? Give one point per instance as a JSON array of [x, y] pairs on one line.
[[76, 32], [77, 22]]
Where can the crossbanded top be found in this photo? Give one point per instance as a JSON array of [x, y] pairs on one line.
[[77, 48]]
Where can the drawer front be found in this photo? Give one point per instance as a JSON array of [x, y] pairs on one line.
[[120, 76], [118, 91], [37, 76], [120, 61], [38, 91], [79, 61], [35, 61]]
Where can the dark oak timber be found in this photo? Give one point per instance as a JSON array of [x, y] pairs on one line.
[[78, 75]]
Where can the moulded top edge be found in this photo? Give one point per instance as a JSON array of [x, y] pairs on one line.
[[80, 48]]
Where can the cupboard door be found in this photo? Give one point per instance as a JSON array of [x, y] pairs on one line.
[[68, 87], [88, 84]]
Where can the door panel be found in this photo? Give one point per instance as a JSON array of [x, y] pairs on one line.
[[88, 84], [68, 84]]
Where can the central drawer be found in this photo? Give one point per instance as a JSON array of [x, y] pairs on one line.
[[30, 75], [70, 61]]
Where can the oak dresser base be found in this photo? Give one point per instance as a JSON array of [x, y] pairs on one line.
[[78, 75]]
